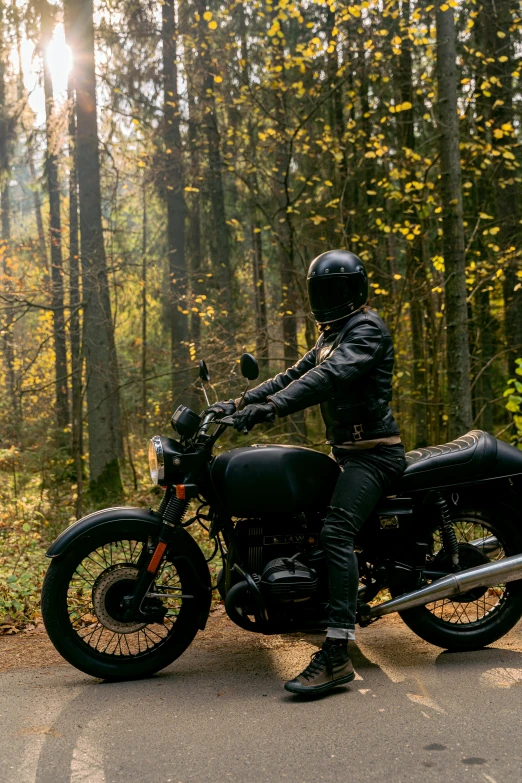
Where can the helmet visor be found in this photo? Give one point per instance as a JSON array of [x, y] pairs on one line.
[[328, 293]]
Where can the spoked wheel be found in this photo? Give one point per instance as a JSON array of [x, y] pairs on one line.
[[82, 608], [480, 616]]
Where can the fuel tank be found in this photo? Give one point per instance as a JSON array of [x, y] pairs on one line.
[[266, 479]]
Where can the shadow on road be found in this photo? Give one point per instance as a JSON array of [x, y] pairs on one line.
[[204, 694]]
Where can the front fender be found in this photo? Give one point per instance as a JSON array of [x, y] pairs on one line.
[[127, 520], [119, 519]]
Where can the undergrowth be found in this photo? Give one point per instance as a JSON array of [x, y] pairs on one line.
[[35, 506]]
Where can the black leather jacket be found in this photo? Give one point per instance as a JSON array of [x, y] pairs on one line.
[[349, 373]]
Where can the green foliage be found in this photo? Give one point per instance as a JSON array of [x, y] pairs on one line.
[[514, 404], [22, 568]]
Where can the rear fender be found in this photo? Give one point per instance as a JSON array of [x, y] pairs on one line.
[[126, 520]]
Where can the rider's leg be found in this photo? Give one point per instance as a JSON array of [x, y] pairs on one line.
[[365, 476]]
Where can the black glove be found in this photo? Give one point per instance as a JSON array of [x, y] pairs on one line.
[[225, 408], [252, 415]]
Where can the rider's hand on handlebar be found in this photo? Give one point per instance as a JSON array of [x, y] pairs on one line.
[[251, 415], [225, 408]]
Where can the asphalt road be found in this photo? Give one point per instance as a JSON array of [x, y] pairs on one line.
[[219, 713]]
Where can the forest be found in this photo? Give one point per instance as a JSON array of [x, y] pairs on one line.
[[168, 170]]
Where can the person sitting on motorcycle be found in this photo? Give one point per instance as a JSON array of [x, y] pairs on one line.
[[349, 373]]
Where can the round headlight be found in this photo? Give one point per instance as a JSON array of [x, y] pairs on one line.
[[156, 460]]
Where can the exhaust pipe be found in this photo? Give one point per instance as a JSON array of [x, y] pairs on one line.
[[509, 569]]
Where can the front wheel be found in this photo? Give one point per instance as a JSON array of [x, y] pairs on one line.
[[81, 607], [483, 615]]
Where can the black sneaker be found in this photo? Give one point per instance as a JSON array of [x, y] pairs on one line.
[[330, 666]]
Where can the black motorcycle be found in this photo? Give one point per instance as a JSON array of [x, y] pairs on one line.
[[128, 589]]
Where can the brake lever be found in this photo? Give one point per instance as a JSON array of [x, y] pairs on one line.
[[229, 422]]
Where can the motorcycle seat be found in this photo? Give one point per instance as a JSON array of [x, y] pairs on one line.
[[467, 458]]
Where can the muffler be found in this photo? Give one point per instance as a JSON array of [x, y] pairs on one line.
[[509, 569]]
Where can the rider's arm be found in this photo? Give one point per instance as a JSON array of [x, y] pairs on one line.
[[281, 381], [354, 357]]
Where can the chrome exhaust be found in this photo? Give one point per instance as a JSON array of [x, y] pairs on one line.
[[509, 569]]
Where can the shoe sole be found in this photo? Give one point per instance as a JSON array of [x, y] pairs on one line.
[[308, 689]]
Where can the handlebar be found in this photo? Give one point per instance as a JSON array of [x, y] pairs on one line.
[[207, 421]]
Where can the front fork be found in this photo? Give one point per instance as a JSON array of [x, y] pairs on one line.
[[173, 510]]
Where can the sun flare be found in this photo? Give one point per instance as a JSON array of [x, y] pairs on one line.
[[59, 60]]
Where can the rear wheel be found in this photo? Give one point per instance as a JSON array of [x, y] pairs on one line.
[[483, 615], [81, 608]]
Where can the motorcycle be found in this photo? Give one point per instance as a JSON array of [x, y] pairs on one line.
[[128, 589]]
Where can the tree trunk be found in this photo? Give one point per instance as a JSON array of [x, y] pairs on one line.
[[101, 371], [499, 45], [75, 304], [5, 134], [194, 238], [175, 200], [484, 393], [37, 205], [144, 336], [416, 274], [13, 430], [55, 235], [258, 269], [285, 237], [222, 266], [258, 280], [458, 364]]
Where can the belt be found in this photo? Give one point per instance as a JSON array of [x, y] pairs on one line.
[[391, 440]]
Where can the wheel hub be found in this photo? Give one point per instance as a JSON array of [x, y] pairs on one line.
[[107, 595], [469, 557]]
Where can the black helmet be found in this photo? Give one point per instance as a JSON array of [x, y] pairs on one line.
[[337, 285]]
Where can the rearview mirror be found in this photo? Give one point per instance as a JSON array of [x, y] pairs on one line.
[[203, 371], [249, 367]]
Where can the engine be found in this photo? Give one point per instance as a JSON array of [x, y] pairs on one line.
[[284, 557], [288, 579]]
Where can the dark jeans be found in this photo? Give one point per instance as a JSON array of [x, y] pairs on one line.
[[365, 477]]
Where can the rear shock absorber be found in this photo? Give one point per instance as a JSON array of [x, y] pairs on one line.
[[449, 538]]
